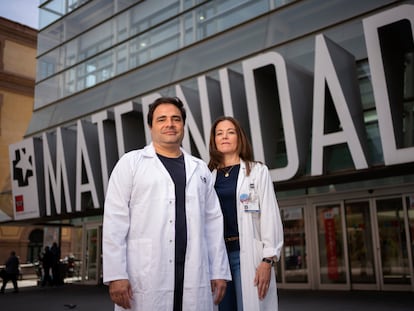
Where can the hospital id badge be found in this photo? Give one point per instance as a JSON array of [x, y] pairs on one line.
[[252, 207], [248, 204]]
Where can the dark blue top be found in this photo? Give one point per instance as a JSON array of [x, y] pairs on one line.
[[226, 188], [176, 168]]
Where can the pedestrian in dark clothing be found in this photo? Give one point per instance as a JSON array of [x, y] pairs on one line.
[[47, 262], [11, 272], [57, 280]]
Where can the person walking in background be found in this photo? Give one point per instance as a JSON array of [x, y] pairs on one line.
[[11, 272], [163, 247], [55, 250], [252, 225], [47, 263]]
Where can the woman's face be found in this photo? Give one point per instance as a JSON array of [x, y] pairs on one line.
[[225, 137]]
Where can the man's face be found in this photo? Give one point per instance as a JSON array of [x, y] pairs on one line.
[[167, 126]]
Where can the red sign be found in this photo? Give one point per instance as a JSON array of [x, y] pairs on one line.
[[19, 203], [330, 240]]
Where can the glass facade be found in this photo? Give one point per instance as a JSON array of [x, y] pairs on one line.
[[121, 57], [143, 33]]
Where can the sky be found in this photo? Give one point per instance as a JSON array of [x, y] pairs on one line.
[[25, 12]]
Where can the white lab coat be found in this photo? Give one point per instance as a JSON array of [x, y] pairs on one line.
[[261, 235], [139, 232]]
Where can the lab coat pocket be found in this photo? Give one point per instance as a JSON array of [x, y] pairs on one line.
[[139, 263]]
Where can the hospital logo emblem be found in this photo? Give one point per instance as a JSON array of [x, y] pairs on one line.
[[22, 167], [24, 179]]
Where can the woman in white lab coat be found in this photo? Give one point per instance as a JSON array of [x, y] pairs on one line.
[[252, 225]]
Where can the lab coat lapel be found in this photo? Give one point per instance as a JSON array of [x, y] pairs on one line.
[[240, 179], [190, 166]]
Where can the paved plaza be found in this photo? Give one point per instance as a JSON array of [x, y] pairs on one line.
[[74, 296]]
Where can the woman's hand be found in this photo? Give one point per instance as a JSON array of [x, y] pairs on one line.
[[262, 279]]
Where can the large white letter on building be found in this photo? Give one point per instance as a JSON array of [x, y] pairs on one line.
[[386, 62], [335, 69]]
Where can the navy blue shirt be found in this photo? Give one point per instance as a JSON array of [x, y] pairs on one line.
[[226, 188], [176, 169]]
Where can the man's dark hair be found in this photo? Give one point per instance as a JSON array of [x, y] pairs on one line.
[[165, 100]]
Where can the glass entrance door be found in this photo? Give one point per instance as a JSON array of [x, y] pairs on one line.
[[360, 245], [92, 254], [295, 266], [332, 255], [393, 243]]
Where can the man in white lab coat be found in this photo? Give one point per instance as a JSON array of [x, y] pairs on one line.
[[163, 246]]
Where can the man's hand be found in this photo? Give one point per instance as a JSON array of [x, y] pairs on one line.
[[218, 288], [121, 293]]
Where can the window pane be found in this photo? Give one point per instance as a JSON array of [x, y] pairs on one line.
[[294, 249], [360, 248], [393, 242]]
